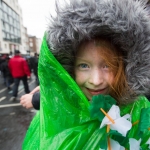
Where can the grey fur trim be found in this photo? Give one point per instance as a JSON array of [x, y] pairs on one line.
[[127, 22]]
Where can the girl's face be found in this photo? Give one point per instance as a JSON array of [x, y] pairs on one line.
[[92, 74]]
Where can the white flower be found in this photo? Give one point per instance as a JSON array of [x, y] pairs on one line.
[[134, 144], [148, 142], [122, 125], [115, 145]]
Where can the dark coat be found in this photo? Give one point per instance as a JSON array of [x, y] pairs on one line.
[[5, 69], [36, 100]]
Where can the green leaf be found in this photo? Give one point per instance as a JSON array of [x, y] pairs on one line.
[[118, 137], [103, 142], [101, 101], [144, 123]]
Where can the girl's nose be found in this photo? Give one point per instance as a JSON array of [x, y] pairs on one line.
[[96, 77]]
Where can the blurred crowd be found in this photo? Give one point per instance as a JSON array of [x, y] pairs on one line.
[[16, 68]]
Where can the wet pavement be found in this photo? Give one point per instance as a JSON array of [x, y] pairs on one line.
[[14, 119]]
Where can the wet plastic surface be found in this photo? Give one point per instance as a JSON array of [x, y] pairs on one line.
[[63, 121]]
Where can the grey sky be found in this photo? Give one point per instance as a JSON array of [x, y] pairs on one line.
[[35, 15]]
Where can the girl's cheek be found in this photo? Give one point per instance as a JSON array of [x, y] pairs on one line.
[[111, 78]]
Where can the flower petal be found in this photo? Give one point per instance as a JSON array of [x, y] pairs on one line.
[[114, 113], [134, 144], [121, 125], [115, 145]]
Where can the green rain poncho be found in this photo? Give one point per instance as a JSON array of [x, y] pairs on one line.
[[64, 122]]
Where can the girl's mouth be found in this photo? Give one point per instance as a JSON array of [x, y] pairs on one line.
[[96, 92]]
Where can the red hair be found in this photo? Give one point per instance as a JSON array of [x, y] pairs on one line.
[[114, 59]]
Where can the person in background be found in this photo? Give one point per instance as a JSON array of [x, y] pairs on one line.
[[20, 71], [94, 75], [2, 60], [34, 66], [6, 72], [27, 58]]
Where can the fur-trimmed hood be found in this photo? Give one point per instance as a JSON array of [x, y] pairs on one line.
[[127, 22]]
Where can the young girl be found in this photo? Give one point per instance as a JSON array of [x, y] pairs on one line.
[[92, 53]]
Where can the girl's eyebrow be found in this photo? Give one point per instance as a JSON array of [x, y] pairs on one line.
[[79, 58], [84, 60]]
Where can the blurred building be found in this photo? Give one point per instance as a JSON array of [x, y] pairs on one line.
[[10, 26], [34, 44], [25, 41], [13, 35]]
